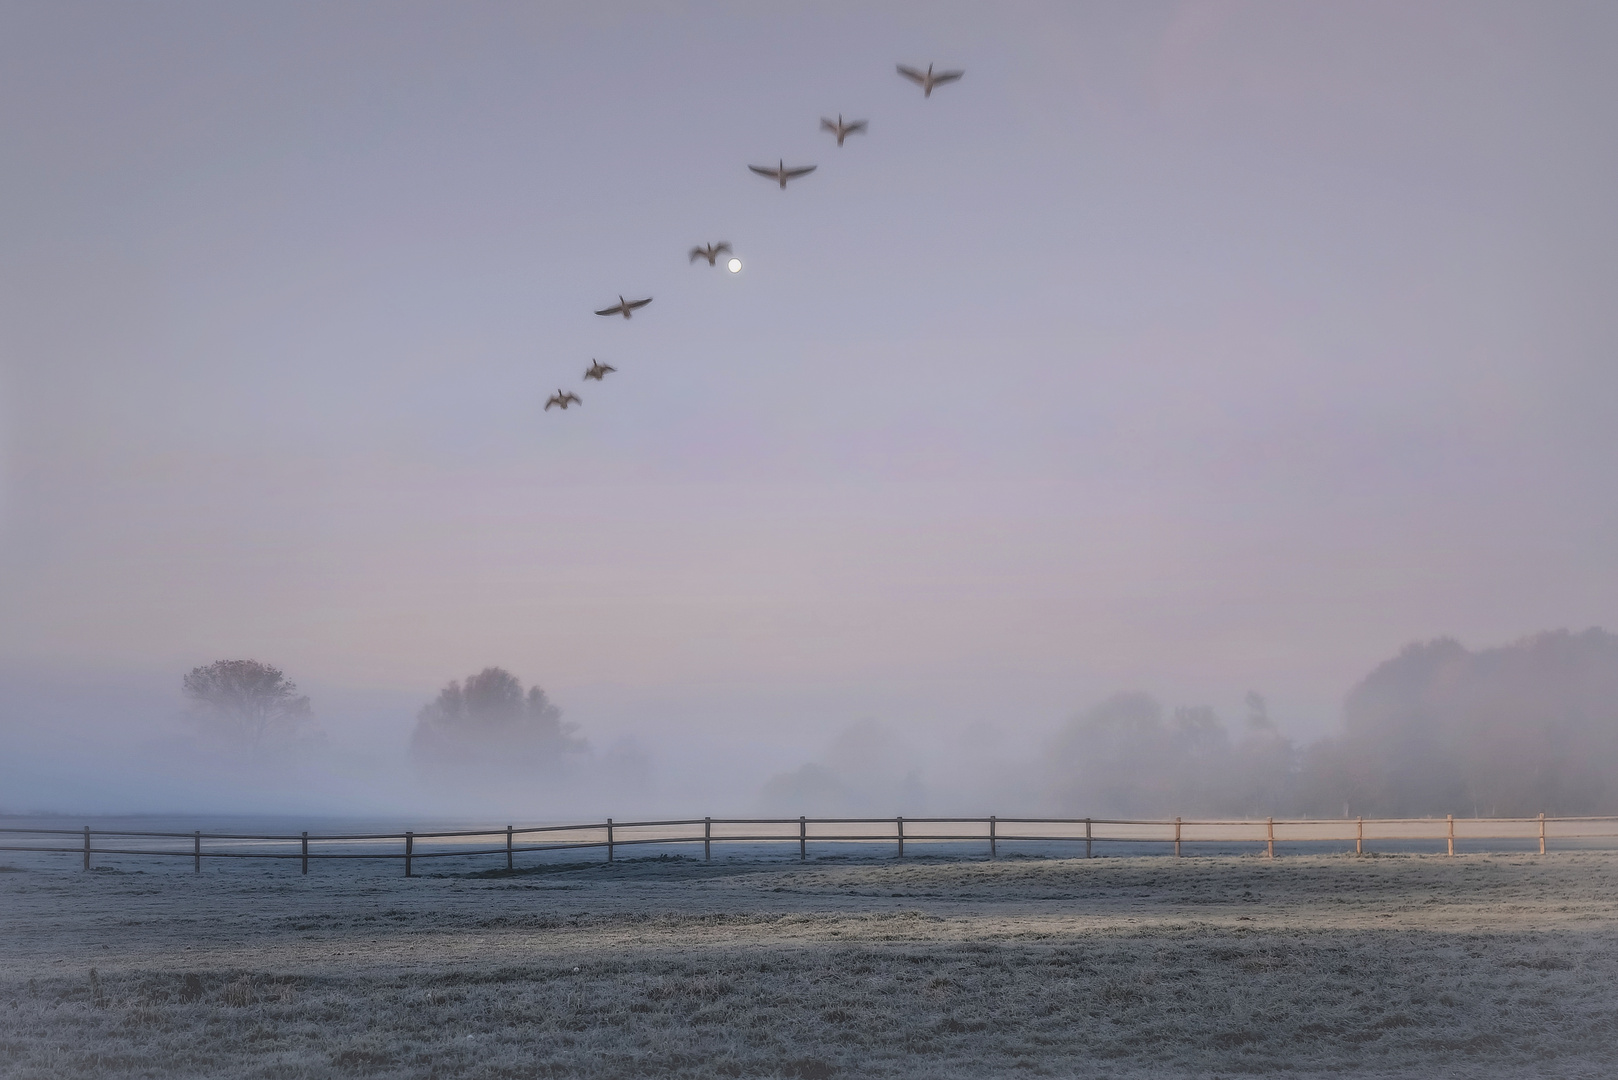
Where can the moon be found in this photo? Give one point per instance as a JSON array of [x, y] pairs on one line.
[[734, 265]]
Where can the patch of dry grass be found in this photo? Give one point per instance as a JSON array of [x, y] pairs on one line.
[[1476, 966]]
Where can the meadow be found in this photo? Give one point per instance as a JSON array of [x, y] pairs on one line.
[[1317, 965]]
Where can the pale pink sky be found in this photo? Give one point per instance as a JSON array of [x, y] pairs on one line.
[[1192, 347]]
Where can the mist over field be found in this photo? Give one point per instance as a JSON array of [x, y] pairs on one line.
[[1517, 729], [1087, 436]]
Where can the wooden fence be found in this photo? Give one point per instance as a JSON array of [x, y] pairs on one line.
[[992, 833]]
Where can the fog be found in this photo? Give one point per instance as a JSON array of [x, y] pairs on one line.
[[1517, 729], [1081, 438]]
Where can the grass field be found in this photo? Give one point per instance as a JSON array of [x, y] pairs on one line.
[[1503, 965]]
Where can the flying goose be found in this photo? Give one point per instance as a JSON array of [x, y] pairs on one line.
[[711, 252], [929, 79], [597, 370], [564, 398], [624, 307], [781, 173], [841, 129]]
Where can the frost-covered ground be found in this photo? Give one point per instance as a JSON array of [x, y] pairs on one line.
[[1499, 965]]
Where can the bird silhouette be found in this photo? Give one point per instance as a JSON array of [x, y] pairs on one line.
[[711, 252], [781, 173], [841, 129], [929, 79], [597, 371], [564, 398], [624, 307]]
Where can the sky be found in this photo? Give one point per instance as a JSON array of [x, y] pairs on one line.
[[1189, 347]]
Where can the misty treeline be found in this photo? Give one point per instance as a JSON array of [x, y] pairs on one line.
[[1130, 756], [867, 770], [1525, 728], [489, 724], [486, 724], [1517, 730], [482, 745]]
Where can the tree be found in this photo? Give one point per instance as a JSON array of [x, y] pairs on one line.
[[1513, 730], [1126, 756], [250, 701], [490, 722]]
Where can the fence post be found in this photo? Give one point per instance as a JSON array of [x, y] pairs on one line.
[[87, 847], [900, 822], [410, 844], [1542, 832], [803, 838], [305, 852], [1176, 838], [707, 839], [609, 839], [508, 849], [1359, 835], [1451, 832], [991, 837], [196, 853], [1086, 838], [1269, 838]]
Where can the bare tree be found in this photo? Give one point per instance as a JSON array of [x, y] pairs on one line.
[[250, 701]]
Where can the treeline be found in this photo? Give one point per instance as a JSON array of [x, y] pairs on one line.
[[489, 721], [1438, 729], [1525, 728], [1130, 757], [483, 744]]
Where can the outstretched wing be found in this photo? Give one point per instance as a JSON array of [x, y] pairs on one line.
[[721, 246], [857, 125], [555, 400], [574, 398], [806, 170], [606, 368], [946, 76], [827, 124], [616, 309], [765, 170], [633, 304], [698, 253], [913, 75]]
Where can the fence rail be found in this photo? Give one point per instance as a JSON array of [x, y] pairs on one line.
[[993, 832]]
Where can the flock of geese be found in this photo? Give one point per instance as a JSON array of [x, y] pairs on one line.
[[780, 174]]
